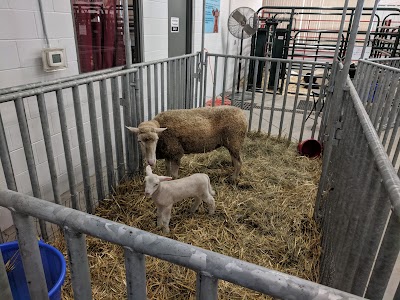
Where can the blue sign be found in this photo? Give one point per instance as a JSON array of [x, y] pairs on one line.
[[212, 14]]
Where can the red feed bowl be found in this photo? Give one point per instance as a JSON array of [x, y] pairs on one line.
[[310, 148]]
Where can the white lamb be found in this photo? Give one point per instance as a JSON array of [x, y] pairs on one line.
[[165, 192]]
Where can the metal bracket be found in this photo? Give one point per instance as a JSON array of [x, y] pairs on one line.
[[338, 132]]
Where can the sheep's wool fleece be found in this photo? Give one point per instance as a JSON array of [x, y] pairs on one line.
[[200, 130]]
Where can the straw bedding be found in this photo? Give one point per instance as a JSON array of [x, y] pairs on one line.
[[266, 219]]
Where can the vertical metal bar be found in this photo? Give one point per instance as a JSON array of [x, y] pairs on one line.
[[169, 84], [78, 263], [244, 81], [135, 274], [310, 84], [98, 166], [206, 287], [6, 160], [271, 119], [162, 87], [373, 93], [30, 256], [396, 153], [30, 159], [117, 128], [396, 115], [203, 90], [175, 86], [156, 104], [284, 99], [127, 35], [49, 148], [388, 103], [234, 79], [105, 112], [128, 122], [191, 100], [137, 116], [196, 79], [4, 284], [340, 33], [215, 79], [385, 261], [264, 92], [295, 101], [253, 93], [320, 97], [67, 149], [82, 148], [224, 80], [141, 91], [149, 104], [371, 21], [376, 116]]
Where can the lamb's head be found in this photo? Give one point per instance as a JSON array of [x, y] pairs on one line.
[[153, 181], [148, 138]]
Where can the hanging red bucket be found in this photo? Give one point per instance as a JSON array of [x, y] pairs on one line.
[[310, 148]]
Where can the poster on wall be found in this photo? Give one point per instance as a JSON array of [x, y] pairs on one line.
[[212, 13]]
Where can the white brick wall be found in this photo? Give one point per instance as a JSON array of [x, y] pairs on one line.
[[21, 41]]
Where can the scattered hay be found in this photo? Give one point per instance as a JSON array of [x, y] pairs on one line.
[[266, 220]]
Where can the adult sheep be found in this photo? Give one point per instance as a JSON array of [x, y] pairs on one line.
[[173, 133]]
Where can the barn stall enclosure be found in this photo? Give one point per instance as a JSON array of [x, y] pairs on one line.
[[357, 210]]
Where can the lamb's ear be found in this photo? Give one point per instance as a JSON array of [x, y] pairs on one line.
[[148, 170], [133, 129], [164, 178], [159, 130]]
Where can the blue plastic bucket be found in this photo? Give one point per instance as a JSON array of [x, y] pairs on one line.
[[53, 265]]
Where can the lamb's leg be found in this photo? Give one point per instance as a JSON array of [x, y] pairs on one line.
[[166, 216], [211, 203], [195, 204], [159, 219]]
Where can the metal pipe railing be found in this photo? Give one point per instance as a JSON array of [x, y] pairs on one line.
[[204, 262]]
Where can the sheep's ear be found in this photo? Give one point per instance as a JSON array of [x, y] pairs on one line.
[[164, 178], [133, 129], [159, 130], [148, 170]]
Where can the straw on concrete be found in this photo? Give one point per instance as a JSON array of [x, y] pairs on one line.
[[266, 219]]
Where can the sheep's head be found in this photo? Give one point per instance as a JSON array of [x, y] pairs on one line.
[[153, 181], [148, 138]]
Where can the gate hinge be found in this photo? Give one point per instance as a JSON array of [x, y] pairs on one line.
[[338, 132]]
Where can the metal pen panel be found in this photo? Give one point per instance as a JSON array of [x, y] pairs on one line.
[[78, 263], [67, 149], [276, 81], [30, 159], [119, 147], [6, 159], [49, 148], [4, 284], [253, 93], [105, 113], [289, 72], [264, 92], [98, 165], [206, 287], [82, 148], [135, 268], [380, 103], [30, 256], [156, 103]]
